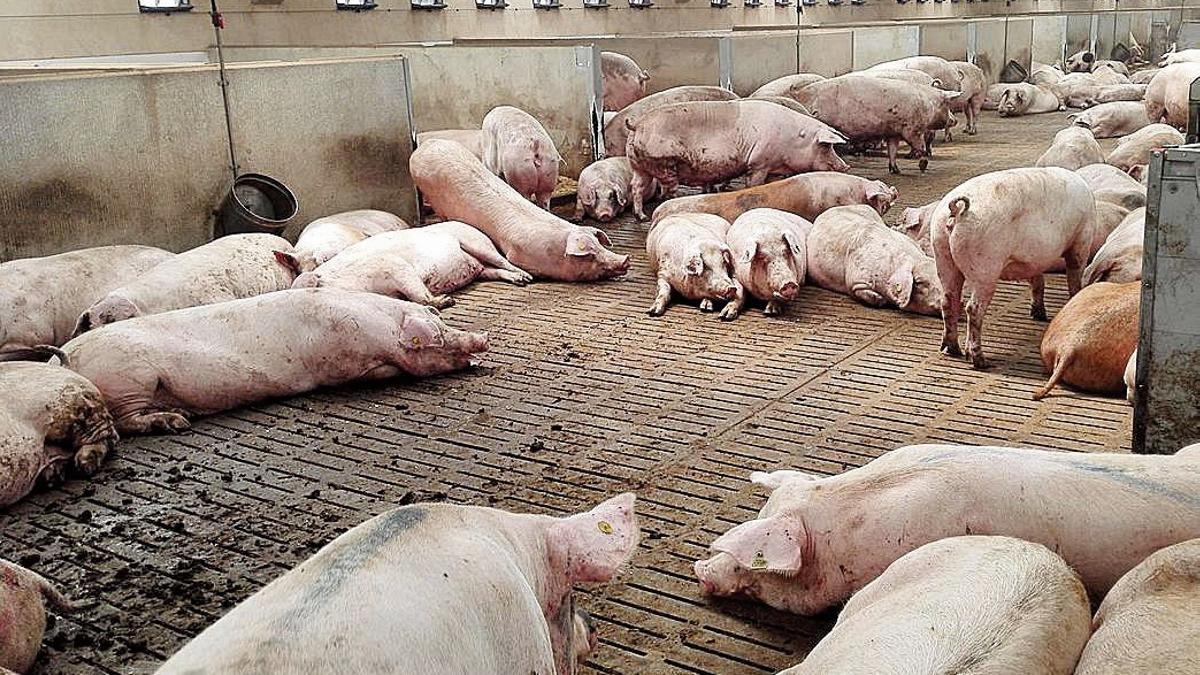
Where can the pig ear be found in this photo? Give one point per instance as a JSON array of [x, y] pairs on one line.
[[694, 266], [900, 285], [581, 243], [748, 255], [772, 544], [794, 242], [601, 236], [880, 196], [951, 95], [587, 197], [288, 260], [594, 545], [828, 136], [911, 220], [727, 255], [774, 479], [421, 330]]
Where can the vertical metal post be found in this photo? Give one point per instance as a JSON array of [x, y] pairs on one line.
[[589, 57], [725, 62], [218, 22]]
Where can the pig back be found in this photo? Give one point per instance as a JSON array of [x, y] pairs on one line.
[[616, 133]]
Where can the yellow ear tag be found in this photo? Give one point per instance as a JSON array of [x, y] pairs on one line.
[[604, 527], [416, 341], [759, 562]]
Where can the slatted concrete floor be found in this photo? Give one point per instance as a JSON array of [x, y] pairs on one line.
[[583, 396]]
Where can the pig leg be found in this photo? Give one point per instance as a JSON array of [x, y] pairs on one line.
[[952, 289], [893, 146], [1037, 296], [977, 305], [578, 209], [774, 307], [152, 423], [731, 309], [485, 252], [757, 178], [518, 278], [638, 187], [1076, 259], [662, 299], [706, 305], [89, 457], [406, 283], [920, 147]]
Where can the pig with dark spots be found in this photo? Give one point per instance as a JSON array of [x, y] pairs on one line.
[[868, 109], [1072, 148], [819, 539], [1088, 343], [1119, 258], [616, 133], [324, 238], [1110, 120], [769, 258], [1150, 621], [42, 298], [421, 264], [961, 605], [517, 148], [471, 139], [50, 419], [624, 80], [1012, 224], [1110, 184], [156, 372], [537, 241], [689, 256], [1134, 150], [232, 267], [788, 85], [948, 77], [1026, 99], [428, 588], [807, 195], [850, 250], [710, 142], [603, 190], [24, 598]]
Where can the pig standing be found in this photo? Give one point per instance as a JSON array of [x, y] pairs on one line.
[[948, 77], [1072, 148], [850, 250], [460, 188], [1109, 120], [623, 79], [42, 298], [616, 133], [428, 588], [471, 139], [974, 90], [710, 142], [902, 74], [868, 109], [1134, 150], [808, 195], [24, 598], [962, 604], [325, 237], [769, 256], [1027, 99], [603, 190], [1167, 94], [236, 266], [788, 85], [157, 371], [1119, 259], [421, 265], [689, 256], [819, 539], [1088, 343], [50, 418], [517, 148], [1012, 224], [1150, 621]]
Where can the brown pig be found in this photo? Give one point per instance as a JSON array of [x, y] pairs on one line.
[[1089, 342], [807, 195]]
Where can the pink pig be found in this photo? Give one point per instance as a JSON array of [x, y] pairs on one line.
[[624, 80], [769, 256], [517, 148], [428, 588]]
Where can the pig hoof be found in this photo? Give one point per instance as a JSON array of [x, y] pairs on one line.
[[656, 311], [952, 349], [773, 309], [923, 164], [54, 474], [893, 169], [162, 423], [89, 458], [1038, 313], [706, 305], [728, 314], [978, 362], [442, 301]]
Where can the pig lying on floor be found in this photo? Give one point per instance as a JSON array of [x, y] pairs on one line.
[[156, 372], [428, 588], [24, 597], [819, 539], [50, 418]]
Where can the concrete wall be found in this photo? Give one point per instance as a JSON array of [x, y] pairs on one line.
[[947, 40], [1049, 36], [454, 87], [758, 58], [874, 45], [142, 157]]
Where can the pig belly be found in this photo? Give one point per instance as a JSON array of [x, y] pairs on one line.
[[23, 457], [448, 271]]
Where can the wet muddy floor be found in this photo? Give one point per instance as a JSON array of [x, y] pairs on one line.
[[582, 396]]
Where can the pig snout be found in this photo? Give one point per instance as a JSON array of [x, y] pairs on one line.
[[787, 291], [838, 164]]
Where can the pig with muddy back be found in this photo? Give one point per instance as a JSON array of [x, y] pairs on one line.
[[459, 188], [623, 79], [428, 588]]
